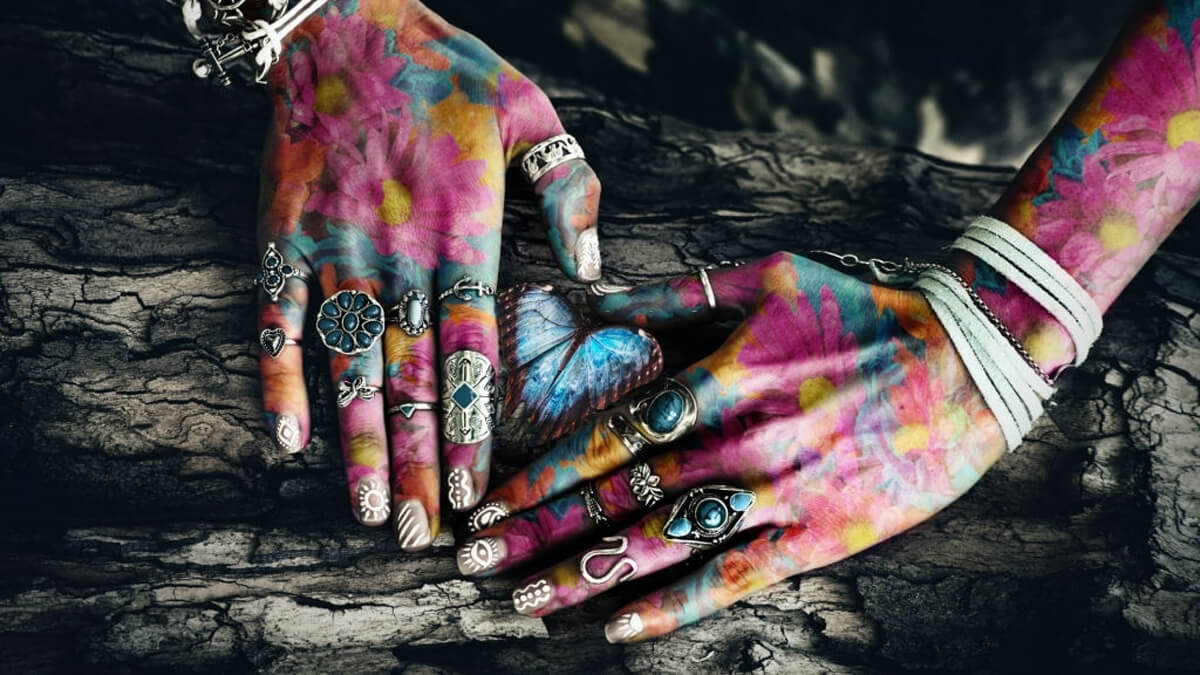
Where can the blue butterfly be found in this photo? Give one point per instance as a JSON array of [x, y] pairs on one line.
[[559, 372]]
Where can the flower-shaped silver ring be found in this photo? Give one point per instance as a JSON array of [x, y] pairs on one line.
[[350, 322]]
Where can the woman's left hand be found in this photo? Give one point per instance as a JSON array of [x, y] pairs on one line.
[[835, 416]]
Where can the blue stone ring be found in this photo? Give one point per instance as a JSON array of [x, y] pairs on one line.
[[468, 387], [350, 322], [707, 516], [659, 417]]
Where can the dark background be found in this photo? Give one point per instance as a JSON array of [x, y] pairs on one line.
[[968, 80], [145, 524]]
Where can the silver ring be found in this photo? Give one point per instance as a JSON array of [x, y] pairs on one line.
[[708, 515], [644, 484], [541, 158], [592, 503], [709, 296], [658, 417], [274, 272], [412, 313], [350, 322], [348, 390], [273, 340], [407, 408], [468, 386], [624, 563], [464, 287]]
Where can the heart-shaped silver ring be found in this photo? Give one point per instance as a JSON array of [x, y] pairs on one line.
[[273, 340]]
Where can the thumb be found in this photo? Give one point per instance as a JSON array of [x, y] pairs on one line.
[[569, 190], [570, 195]]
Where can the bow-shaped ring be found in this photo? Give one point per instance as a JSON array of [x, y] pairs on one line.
[[348, 390]]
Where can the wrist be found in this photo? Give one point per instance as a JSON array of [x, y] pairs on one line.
[[1043, 336]]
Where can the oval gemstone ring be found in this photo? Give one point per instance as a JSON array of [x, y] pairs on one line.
[[350, 322]]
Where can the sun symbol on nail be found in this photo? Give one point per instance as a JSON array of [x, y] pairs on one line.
[[372, 500]]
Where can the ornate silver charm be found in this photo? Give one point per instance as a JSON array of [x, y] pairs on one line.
[[707, 516], [541, 158], [592, 503], [412, 314], [348, 390], [644, 484], [273, 340], [629, 565], [487, 515], [232, 35], [274, 272], [463, 288], [468, 386], [350, 322]]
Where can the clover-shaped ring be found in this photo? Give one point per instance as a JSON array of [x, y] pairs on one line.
[[350, 322]]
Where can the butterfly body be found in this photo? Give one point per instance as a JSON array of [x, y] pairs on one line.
[[560, 372]]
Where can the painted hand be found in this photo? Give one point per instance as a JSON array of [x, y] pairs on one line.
[[384, 176], [837, 413]]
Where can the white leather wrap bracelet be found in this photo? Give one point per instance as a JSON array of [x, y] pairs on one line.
[[1011, 388]]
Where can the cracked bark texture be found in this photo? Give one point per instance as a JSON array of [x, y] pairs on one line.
[[148, 525]]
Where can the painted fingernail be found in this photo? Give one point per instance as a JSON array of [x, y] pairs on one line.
[[601, 289], [487, 515], [532, 597], [460, 488], [412, 526], [481, 555], [587, 255], [371, 501], [287, 433], [623, 628]]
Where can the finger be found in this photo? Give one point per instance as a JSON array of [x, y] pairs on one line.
[[347, 321], [283, 299], [767, 559], [410, 388], [616, 498], [653, 543], [660, 415], [570, 195], [468, 345], [569, 190], [688, 299]]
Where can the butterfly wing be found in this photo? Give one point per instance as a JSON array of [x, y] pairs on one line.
[[558, 376], [537, 334], [607, 364]]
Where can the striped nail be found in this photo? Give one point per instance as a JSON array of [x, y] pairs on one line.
[[412, 526]]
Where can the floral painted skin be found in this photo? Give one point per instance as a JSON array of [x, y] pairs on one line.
[[384, 172], [840, 404]]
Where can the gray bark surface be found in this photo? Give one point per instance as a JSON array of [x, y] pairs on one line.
[[148, 525]]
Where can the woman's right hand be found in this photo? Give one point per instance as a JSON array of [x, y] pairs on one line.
[[383, 185]]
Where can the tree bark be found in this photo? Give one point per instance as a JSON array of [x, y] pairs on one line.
[[148, 524]]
